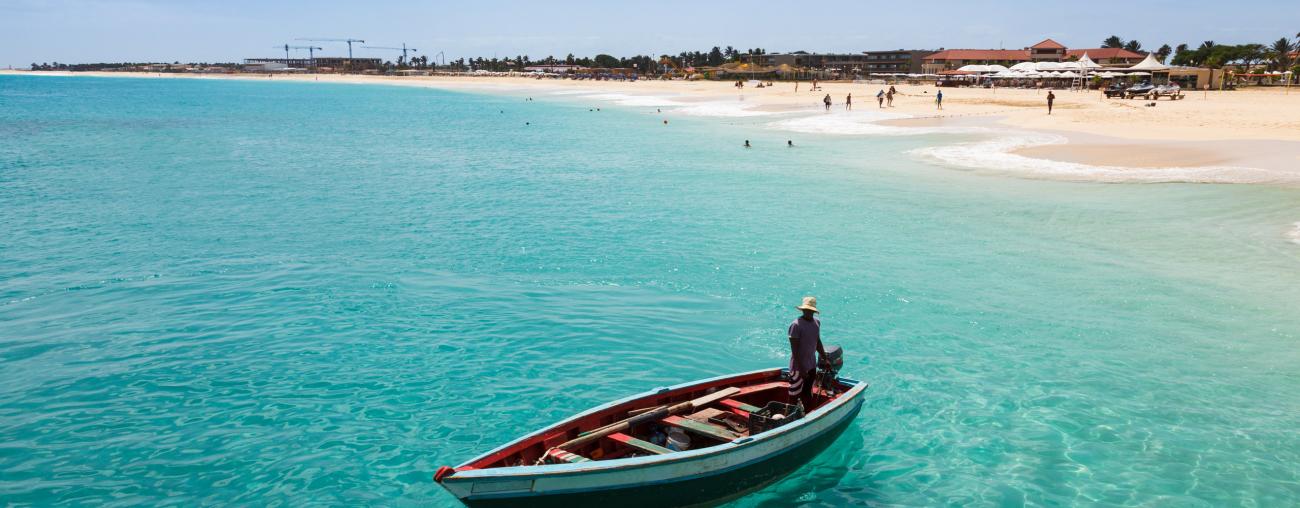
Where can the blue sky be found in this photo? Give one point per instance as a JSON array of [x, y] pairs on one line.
[[230, 30]]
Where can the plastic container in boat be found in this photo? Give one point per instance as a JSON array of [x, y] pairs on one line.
[[678, 441]]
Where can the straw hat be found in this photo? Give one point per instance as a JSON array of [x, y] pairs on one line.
[[809, 303]]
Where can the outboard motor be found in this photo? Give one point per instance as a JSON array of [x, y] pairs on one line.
[[828, 369]]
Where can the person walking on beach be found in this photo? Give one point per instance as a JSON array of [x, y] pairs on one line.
[[938, 99], [805, 344], [889, 97], [880, 99], [848, 103], [827, 101], [1050, 99]]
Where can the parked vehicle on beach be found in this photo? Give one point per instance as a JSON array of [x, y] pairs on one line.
[[702, 442], [1171, 90], [1115, 90], [1143, 90]]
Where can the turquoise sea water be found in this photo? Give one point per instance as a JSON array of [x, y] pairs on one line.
[[217, 292]]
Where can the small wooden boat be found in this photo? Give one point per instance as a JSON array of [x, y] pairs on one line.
[[742, 429]]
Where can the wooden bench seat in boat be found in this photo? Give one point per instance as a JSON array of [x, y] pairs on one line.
[[562, 456], [704, 429], [739, 407], [644, 446]]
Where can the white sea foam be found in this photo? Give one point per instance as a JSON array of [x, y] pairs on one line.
[[726, 109], [862, 123], [633, 100], [1294, 234], [997, 154]]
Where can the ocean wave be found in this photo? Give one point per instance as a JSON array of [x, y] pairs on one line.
[[721, 109], [633, 100], [1294, 234], [997, 154], [863, 123]]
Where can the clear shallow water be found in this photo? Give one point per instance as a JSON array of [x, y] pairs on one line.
[[281, 293]]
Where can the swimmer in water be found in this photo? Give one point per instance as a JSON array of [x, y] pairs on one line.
[[789, 143], [746, 143]]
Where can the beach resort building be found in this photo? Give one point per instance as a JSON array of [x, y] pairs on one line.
[[901, 60], [1106, 56], [320, 62], [1046, 51], [953, 59]]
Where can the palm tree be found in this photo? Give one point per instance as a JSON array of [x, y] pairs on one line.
[[1113, 42], [1282, 49], [1207, 45], [1163, 53], [1133, 46]]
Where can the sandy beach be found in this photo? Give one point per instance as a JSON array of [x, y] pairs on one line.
[[1244, 136]]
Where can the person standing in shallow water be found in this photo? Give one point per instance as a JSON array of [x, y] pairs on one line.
[[848, 102], [805, 344], [827, 101]]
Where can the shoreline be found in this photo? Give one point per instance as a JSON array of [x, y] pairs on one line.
[[1246, 136]]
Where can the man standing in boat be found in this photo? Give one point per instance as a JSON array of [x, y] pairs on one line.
[[805, 344]]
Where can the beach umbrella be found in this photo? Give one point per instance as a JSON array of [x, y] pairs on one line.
[[1139, 74], [1047, 66], [1070, 74], [1023, 66]]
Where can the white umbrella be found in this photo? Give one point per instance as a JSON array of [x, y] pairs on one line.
[[1139, 74], [1070, 74], [1047, 66], [1070, 65], [996, 68], [974, 68], [1107, 74], [1023, 66]]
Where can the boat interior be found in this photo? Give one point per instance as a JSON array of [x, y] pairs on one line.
[[690, 417]]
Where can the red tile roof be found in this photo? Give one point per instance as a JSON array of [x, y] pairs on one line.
[[1015, 55], [1047, 44], [1104, 53]]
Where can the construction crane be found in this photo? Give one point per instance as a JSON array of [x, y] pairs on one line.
[[348, 40], [311, 52], [403, 49]]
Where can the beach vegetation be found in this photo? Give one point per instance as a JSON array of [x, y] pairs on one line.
[[1163, 53]]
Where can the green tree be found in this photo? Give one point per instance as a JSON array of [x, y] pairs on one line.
[[1113, 42], [1133, 46], [1282, 49], [1163, 53], [715, 56]]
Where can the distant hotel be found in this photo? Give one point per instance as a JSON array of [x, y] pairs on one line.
[[1046, 51], [901, 61], [320, 62], [932, 62]]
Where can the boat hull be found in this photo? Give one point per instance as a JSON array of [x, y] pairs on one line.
[[698, 491], [697, 477]]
